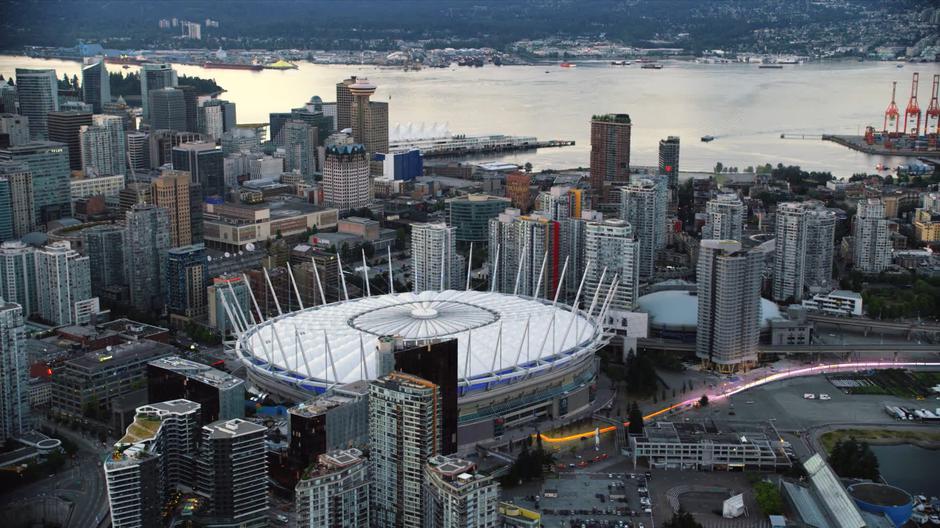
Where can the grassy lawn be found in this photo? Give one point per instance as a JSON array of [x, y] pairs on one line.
[[830, 439]]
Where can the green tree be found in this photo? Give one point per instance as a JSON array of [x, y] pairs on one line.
[[768, 498], [703, 401], [636, 419], [853, 459]]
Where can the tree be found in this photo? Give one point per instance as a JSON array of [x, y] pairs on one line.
[[636, 419], [703, 401], [682, 519], [768, 498], [719, 167], [528, 167], [853, 459]]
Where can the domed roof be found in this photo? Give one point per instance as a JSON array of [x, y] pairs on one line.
[[679, 309]]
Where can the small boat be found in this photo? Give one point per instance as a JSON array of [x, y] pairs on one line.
[[651, 66], [771, 67], [546, 71], [706, 139], [567, 64], [881, 167], [900, 65], [620, 63]]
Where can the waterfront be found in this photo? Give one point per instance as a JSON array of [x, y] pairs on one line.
[[744, 107], [909, 467]]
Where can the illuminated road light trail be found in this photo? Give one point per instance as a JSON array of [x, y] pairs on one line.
[[807, 371]]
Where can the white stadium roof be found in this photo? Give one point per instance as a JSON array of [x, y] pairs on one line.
[[504, 335]]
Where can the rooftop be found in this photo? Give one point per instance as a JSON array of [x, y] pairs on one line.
[[678, 308], [198, 372], [121, 354], [231, 428]]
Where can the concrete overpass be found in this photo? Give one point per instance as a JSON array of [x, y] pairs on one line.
[[864, 348], [873, 325]]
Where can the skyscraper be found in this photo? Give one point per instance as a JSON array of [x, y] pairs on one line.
[[148, 239], [14, 373], [610, 150], [434, 258], [104, 246], [191, 105], [138, 150], [186, 280], [300, 147], [233, 474], [669, 159], [155, 457], [729, 312], [872, 241], [610, 245], [104, 147], [346, 181], [204, 163], [369, 120], [37, 92], [155, 77], [335, 492], [518, 191], [65, 127], [216, 117], [344, 100], [457, 496], [63, 281], [470, 215], [233, 290], [167, 108], [524, 243], [641, 205], [96, 85], [805, 237], [7, 98], [16, 189], [724, 218], [18, 275], [404, 433], [562, 201], [172, 192], [48, 162]]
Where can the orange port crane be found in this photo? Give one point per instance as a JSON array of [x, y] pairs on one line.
[[892, 114], [932, 116], [913, 110]]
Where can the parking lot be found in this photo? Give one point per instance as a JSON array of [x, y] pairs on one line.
[[592, 499]]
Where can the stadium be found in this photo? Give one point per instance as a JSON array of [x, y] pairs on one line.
[[519, 358]]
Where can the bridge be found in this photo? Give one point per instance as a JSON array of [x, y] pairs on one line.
[[868, 325], [861, 348]]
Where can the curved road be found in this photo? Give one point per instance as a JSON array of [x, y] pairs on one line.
[[741, 387]]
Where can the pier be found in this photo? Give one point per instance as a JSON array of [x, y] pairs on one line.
[[858, 143]]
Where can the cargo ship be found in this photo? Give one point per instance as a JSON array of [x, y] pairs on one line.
[[232, 66], [124, 59], [652, 66]]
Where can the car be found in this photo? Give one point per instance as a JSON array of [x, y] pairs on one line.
[[647, 510], [640, 525]]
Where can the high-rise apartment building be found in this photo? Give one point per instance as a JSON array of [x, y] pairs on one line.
[[65, 127], [524, 242], [610, 150], [155, 77], [232, 473], [205, 164], [220, 395], [7, 99], [729, 312], [18, 275], [138, 152], [805, 238], [233, 290], [334, 492], [167, 107], [37, 92], [18, 211], [404, 433], [642, 206], [14, 373], [872, 240], [368, 119], [724, 218], [562, 201], [669, 159], [96, 85], [457, 496], [104, 245], [186, 281], [215, 117], [15, 128], [518, 190], [346, 181], [63, 285], [104, 146], [171, 191], [48, 162], [610, 246], [148, 239], [434, 258], [470, 215], [926, 219], [155, 457]]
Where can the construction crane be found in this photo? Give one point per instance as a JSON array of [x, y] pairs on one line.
[[932, 116], [913, 110], [892, 114]]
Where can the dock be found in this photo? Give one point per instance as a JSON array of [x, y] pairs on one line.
[[858, 143], [443, 151]]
